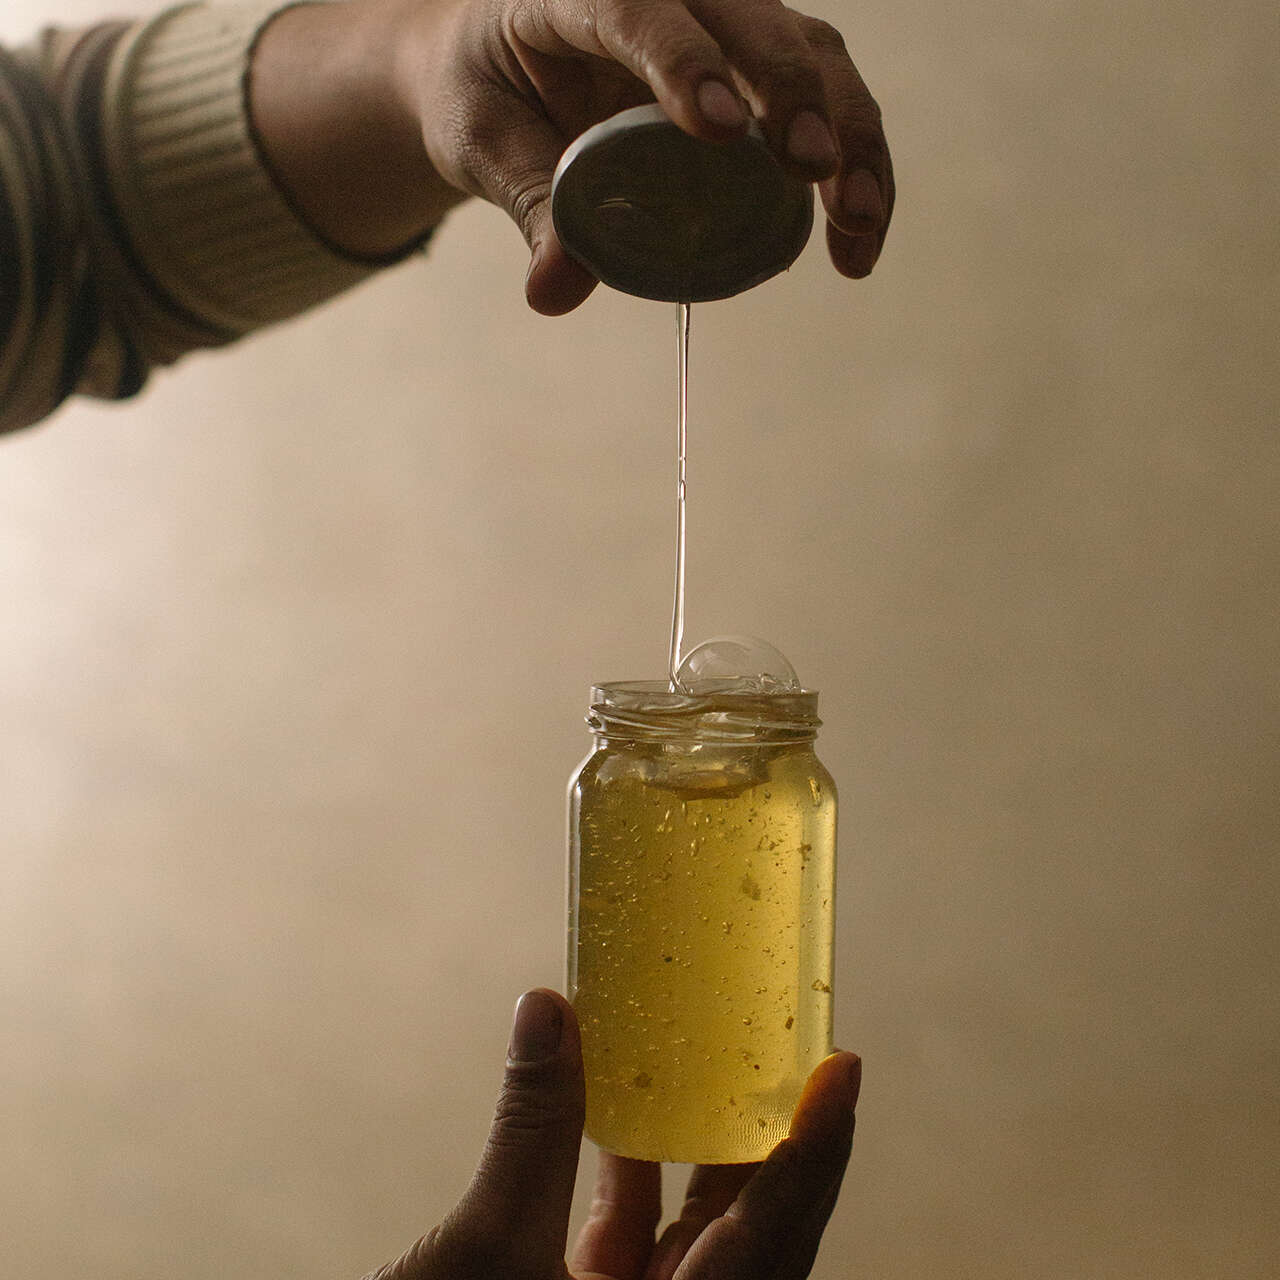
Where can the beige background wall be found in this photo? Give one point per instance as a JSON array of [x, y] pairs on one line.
[[295, 650]]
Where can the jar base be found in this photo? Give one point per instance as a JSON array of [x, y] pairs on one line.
[[745, 1139]]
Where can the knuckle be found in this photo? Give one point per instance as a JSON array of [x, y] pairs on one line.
[[791, 77], [823, 35], [868, 110], [750, 1246], [626, 21], [816, 1163], [860, 122], [529, 1106], [526, 195], [862, 138], [682, 59], [653, 42], [608, 1214]]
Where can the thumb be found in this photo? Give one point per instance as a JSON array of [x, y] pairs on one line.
[[517, 1207], [511, 163], [555, 283]]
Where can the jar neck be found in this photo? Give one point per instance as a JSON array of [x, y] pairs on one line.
[[648, 711]]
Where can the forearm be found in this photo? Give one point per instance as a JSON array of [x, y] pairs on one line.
[[174, 184]]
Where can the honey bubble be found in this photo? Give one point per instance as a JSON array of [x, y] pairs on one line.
[[736, 664]]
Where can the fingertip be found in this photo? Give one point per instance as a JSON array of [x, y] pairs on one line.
[[844, 1069], [544, 1027], [854, 203], [555, 998], [555, 283], [723, 111], [853, 1066], [826, 1107], [811, 145], [853, 256], [536, 1029], [544, 1010]]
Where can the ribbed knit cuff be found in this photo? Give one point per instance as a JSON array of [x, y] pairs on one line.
[[206, 218]]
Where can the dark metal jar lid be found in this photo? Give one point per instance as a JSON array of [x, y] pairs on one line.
[[654, 212]]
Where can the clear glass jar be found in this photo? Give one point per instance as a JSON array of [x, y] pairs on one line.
[[701, 912]]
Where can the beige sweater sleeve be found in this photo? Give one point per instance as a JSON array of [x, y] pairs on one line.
[[137, 221]]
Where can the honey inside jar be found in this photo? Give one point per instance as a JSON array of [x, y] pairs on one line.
[[702, 876]]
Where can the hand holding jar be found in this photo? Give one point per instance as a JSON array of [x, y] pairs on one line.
[[738, 1222]]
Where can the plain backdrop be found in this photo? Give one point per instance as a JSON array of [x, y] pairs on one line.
[[295, 650]]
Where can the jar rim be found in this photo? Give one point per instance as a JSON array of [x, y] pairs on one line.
[[651, 709]]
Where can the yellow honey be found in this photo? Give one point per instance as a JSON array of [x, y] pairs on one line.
[[702, 870]]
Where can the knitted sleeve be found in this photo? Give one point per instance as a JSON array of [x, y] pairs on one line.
[[137, 221]]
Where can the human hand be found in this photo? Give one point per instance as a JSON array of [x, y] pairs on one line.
[[739, 1222], [409, 104]]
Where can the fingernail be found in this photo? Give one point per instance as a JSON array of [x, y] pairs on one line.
[[720, 105], [859, 254], [809, 142], [534, 259], [855, 1078], [860, 199], [535, 1034]]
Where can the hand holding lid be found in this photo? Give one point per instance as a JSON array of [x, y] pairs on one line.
[[497, 89]]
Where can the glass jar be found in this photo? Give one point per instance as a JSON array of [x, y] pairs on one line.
[[701, 911]]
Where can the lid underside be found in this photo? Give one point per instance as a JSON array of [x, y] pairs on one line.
[[656, 213]]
